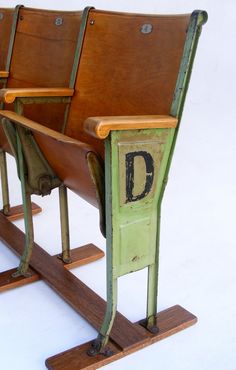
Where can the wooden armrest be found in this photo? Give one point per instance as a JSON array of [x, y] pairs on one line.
[[34, 126], [100, 127], [9, 95], [4, 74]]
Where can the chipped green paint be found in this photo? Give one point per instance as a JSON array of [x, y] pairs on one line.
[[79, 45], [198, 19], [28, 220], [134, 223], [12, 37], [4, 183], [64, 218], [132, 227], [45, 100]]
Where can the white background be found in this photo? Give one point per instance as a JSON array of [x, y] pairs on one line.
[[198, 238]]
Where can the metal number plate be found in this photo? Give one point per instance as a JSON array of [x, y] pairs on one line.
[[58, 21], [146, 28]]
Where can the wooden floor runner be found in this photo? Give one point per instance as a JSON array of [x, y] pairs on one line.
[[85, 301]]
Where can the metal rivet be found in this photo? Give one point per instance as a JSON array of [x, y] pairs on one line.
[[21, 18], [1, 16], [92, 21], [58, 21], [146, 28]]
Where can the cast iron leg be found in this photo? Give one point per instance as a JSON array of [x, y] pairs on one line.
[[153, 287], [28, 219], [4, 182], [29, 238], [98, 345], [150, 323], [65, 236]]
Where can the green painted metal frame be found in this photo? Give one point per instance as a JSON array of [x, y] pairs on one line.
[[115, 243]]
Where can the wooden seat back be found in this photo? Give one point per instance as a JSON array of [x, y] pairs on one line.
[[43, 56], [123, 70], [129, 66]]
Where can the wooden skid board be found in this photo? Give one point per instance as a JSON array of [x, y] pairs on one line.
[[8, 282], [83, 299], [83, 255], [169, 322], [17, 212], [79, 256]]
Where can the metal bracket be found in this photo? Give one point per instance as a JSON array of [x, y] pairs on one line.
[[58, 21], [40, 179], [146, 28]]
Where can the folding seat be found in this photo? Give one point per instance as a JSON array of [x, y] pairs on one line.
[[38, 50], [120, 133]]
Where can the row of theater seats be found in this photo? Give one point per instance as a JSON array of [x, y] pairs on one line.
[[91, 101]]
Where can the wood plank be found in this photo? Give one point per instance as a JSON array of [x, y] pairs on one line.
[[17, 212], [79, 256], [9, 95], [8, 282], [83, 299], [169, 322], [83, 255], [4, 74]]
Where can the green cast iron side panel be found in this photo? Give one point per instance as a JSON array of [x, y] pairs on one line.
[[134, 208], [137, 244], [134, 152]]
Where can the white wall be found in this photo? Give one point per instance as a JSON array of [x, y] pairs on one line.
[[198, 239]]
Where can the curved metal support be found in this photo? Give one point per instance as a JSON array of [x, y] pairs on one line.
[[28, 219], [150, 322], [99, 344], [65, 235], [4, 183]]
